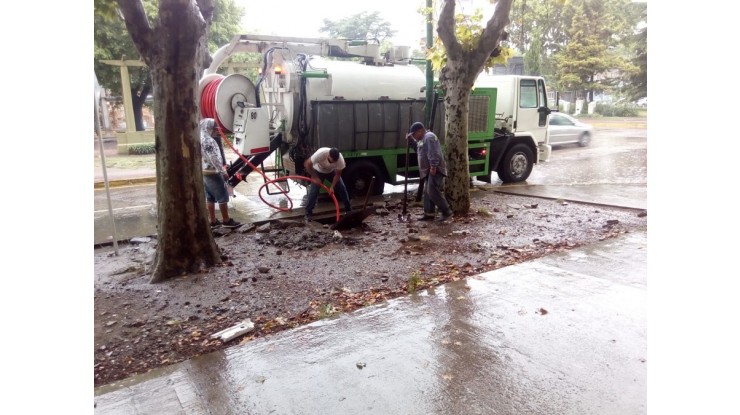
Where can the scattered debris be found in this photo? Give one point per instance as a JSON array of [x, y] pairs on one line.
[[484, 212], [152, 332], [140, 240], [541, 311], [235, 331]]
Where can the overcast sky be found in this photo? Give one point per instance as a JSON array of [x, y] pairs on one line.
[[304, 18]]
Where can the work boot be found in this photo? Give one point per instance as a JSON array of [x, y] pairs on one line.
[[425, 217], [308, 217], [231, 223], [445, 217]]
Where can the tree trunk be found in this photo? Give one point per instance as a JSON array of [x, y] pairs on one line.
[[185, 241], [137, 104], [457, 78], [175, 52], [456, 101], [139, 99]]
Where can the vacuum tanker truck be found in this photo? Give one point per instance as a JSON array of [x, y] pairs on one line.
[[308, 95]]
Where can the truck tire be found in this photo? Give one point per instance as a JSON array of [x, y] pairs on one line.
[[517, 164], [357, 178]]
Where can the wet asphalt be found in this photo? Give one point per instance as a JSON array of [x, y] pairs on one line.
[[563, 334]]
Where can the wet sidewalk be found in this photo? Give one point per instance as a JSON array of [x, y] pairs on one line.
[[563, 334]]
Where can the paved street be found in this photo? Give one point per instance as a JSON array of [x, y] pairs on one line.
[[611, 171]]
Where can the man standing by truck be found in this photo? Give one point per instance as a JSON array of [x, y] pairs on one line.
[[326, 164], [214, 175], [432, 167]]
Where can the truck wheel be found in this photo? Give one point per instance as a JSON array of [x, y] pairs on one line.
[[357, 178], [516, 165]]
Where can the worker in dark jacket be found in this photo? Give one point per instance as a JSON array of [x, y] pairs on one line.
[[433, 170]]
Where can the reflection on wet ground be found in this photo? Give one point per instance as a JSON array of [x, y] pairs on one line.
[[552, 336]]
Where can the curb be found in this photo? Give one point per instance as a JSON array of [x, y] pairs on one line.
[[125, 182], [608, 126]]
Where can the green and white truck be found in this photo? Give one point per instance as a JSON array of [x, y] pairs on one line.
[[306, 98]]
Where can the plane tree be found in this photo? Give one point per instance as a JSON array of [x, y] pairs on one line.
[[173, 44], [112, 42], [468, 49]]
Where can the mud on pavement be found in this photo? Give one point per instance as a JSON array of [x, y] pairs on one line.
[[288, 273]]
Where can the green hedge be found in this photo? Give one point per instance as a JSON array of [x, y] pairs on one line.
[[141, 149], [610, 110], [607, 110]]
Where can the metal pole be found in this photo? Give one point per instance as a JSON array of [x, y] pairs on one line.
[[430, 73], [105, 172]]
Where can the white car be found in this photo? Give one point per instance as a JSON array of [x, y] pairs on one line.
[[565, 129]]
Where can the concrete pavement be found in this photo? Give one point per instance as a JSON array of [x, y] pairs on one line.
[[563, 334]]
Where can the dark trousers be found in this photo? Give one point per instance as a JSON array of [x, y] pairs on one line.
[[340, 191], [434, 195]]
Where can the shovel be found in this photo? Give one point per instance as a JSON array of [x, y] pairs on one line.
[[354, 218]]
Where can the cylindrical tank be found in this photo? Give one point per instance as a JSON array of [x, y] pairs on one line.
[[325, 80], [344, 81], [355, 81]]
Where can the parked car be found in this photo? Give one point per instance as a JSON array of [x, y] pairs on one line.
[[565, 129]]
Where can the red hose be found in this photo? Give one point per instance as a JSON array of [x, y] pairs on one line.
[[208, 102], [279, 179]]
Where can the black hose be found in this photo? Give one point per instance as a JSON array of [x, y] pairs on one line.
[[433, 112], [300, 151]]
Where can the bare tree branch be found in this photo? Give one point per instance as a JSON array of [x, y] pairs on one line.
[[137, 24], [446, 30], [206, 10], [491, 36], [496, 24]]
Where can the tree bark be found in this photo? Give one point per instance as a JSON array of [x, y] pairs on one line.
[[457, 94], [139, 98], [457, 78], [175, 51]]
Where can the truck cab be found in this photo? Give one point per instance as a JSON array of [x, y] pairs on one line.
[[520, 134]]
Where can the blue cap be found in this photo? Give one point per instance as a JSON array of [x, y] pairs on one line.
[[415, 127]]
